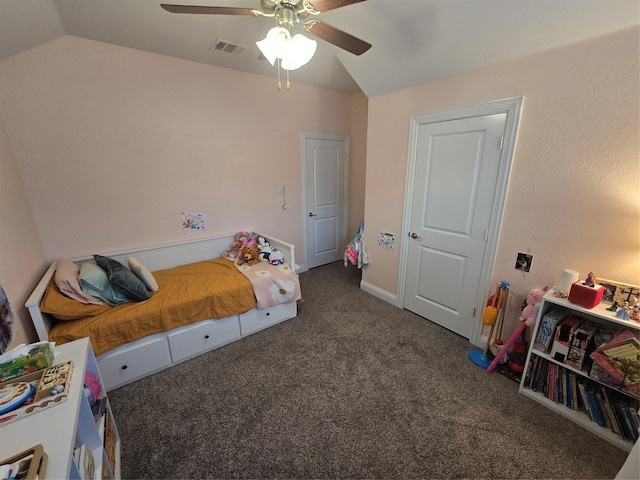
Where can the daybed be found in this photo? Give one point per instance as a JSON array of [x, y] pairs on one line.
[[186, 317]]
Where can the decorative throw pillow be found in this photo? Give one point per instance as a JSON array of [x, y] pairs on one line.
[[122, 279], [94, 281], [65, 308], [143, 274], [66, 278]]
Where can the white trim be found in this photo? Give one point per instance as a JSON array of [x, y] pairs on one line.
[[347, 144], [380, 293], [512, 107]]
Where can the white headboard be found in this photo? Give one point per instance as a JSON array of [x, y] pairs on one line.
[[155, 258]]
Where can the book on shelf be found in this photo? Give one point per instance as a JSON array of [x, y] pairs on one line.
[[594, 406], [574, 391], [608, 406], [585, 401], [547, 329], [528, 379], [616, 362], [630, 426], [541, 376], [603, 409], [85, 463]]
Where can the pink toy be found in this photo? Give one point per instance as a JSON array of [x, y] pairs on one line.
[[92, 387], [238, 241], [532, 303], [507, 346], [529, 313], [242, 239]]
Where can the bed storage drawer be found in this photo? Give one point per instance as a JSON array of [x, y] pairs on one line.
[[257, 319], [125, 364], [202, 336]]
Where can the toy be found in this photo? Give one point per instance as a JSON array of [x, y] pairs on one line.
[[248, 254], [238, 241], [478, 356], [531, 304], [276, 257], [623, 313], [265, 253], [265, 249], [590, 280], [242, 239]]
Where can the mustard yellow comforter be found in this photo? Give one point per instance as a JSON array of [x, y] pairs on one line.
[[186, 294]]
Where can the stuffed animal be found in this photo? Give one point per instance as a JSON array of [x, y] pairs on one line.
[[531, 305], [276, 257], [263, 242], [265, 249], [242, 239], [250, 240], [249, 254], [265, 253], [238, 241]]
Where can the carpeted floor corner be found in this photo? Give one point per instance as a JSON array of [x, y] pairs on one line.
[[353, 387]]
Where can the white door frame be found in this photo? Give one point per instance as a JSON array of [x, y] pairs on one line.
[[510, 106], [321, 136]]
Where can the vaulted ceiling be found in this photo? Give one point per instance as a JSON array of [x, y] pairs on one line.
[[414, 41]]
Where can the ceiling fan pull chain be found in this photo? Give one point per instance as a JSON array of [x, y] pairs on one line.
[[288, 82], [279, 82]]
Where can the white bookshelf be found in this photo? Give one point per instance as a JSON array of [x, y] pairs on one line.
[[62, 428], [598, 314]]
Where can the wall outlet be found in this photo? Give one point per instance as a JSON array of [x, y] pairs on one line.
[[281, 189]]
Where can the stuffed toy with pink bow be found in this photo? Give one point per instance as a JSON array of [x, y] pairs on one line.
[[532, 304]]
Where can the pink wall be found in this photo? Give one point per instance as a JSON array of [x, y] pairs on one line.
[[22, 259], [573, 194], [357, 161], [114, 143]]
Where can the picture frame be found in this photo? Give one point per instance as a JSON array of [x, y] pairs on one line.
[[619, 292]]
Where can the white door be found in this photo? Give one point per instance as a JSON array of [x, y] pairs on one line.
[[325, 170], [456, 177]]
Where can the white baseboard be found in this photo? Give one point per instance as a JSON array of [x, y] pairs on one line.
[[380, 293]]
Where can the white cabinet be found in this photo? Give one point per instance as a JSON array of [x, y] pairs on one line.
[[259, 319], [600, 315], [135, 360], [67, 426]]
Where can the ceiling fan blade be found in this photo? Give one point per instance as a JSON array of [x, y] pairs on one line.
[[337, 37], [326, 5], [207, 10]]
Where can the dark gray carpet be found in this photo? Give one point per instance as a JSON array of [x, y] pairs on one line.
[[351, 388]]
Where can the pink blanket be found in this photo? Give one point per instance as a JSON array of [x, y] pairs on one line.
[[272, 284]]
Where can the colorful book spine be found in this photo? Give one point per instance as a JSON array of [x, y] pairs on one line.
[[574, 391], [594, 407], [603, 410], [585, 401], [608, 406], [630, 426]]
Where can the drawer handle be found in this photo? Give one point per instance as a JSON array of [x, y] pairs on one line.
[[124, 367], [206, 337], [268, 313]]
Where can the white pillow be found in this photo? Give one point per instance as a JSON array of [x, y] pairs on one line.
[[143, 274]]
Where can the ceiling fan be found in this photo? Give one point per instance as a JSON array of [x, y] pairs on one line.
[[287, 13]]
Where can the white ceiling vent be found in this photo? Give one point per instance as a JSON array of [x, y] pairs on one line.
[[228, 47]]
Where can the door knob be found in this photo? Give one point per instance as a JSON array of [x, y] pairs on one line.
[[415, 236], [312, 214]]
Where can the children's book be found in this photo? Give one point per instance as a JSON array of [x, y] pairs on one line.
[[617, 362]]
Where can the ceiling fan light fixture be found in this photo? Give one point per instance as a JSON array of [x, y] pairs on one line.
[[275, 44], [301, 50]]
